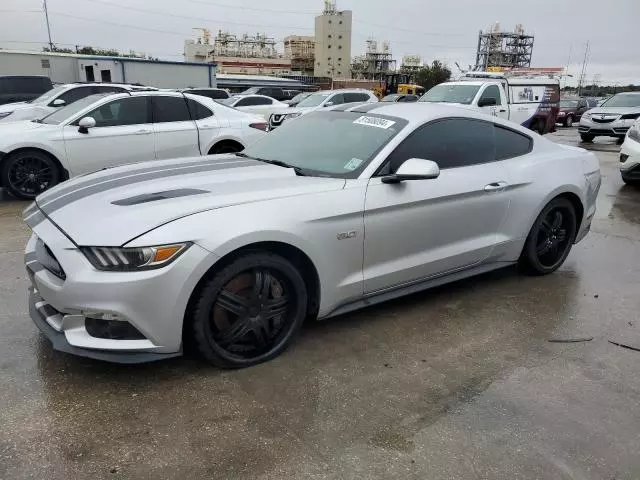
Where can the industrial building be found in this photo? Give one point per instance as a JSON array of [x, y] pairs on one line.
[[500, 49], [246, 54], [301, 51], [333, 42], [68, 68], [375, 64]]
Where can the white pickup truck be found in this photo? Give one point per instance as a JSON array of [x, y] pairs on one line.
[[531, 102]]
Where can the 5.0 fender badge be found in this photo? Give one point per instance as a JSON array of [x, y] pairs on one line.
[[346, 235]]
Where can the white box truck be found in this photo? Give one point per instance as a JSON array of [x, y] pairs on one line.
[[532, 102]]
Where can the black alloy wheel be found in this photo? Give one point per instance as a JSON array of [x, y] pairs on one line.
[[551, 238], [249, 311], [28, 173]]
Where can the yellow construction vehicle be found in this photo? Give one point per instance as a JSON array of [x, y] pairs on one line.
[[398, 83]]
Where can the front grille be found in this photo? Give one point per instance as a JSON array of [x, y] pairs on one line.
[[48, 260], [602, 120]]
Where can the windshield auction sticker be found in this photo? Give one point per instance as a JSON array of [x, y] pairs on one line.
[[374, 122]]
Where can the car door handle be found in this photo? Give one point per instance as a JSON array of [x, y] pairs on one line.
[[143, 132], [495, 187]]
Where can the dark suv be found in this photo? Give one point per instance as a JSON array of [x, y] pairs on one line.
[[571, 109], [22, 88], [273, 92]]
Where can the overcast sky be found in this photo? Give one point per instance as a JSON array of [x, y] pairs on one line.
[[445, 30]]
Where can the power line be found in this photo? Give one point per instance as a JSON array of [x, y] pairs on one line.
[[186, 17]]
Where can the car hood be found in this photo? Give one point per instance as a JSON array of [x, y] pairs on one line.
[[10, 132], [113, 206], [24, 111], [10, 107], [286, 111], [611, 110]]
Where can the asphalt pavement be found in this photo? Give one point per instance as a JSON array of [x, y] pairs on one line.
[[496, 377]]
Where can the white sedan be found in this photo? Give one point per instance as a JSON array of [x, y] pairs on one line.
[[60, 96], [106, 130], [259, 104]]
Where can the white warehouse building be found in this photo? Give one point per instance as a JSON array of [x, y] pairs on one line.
[[69, 67]]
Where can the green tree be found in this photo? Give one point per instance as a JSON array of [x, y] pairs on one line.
[[431, 75]]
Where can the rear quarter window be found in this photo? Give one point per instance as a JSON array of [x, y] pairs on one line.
[[511, 144]]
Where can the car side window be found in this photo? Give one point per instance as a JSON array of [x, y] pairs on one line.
[[245, 102], [197, 110], [337, 99], [492, 91], [263, 101], [355, 97], [510, 144], [123, 111], [213, 94], [170, 109], [75, 94], [451, 143], [96, 89]]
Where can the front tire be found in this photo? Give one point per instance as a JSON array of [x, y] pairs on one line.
[[28, 173], [568, 122], [550, 239], [586, 138], [249, 311]]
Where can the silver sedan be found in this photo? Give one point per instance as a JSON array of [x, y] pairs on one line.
[[338, 210]]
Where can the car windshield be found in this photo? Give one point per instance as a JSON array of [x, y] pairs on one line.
[[308, 142], [448, 93], [568, 103], [48, 95], [390, 98], [70, 110], [250, 91], [314, 100], [299, 97], [229, 101], [623, 100]]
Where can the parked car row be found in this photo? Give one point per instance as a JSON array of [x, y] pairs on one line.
[[231, 253]]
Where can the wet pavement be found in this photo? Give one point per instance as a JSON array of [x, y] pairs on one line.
[[460, 382]]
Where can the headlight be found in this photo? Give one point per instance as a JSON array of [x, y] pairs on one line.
[[294, 114], [119, 259], [586, 115], [5, 114], [634, 132]]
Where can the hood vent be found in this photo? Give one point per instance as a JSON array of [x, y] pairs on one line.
[[154, 197]]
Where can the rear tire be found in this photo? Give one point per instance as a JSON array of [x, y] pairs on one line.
[[249, 311], [28, 173], [550, 239], [586, 138]]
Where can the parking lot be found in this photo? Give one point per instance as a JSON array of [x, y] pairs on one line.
[[496, 377]]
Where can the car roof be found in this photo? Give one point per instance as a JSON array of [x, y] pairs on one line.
[[417, 113], [251, 95]]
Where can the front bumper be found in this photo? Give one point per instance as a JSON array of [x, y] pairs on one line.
[[65, 303], [630, 159], [615, 128], [40, 312]]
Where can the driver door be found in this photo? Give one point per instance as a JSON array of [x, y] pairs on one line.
[[123, 134], [500, 108], [419, 229]]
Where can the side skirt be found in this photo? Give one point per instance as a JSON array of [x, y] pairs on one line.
[[400, 291]]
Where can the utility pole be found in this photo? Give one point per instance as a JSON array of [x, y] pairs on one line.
[[46, 16], [566, 71], [584, 68]]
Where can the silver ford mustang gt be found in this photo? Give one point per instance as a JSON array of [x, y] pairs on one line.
[[332, 212]]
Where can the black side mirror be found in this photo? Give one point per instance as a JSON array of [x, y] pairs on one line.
[[487, 102]]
